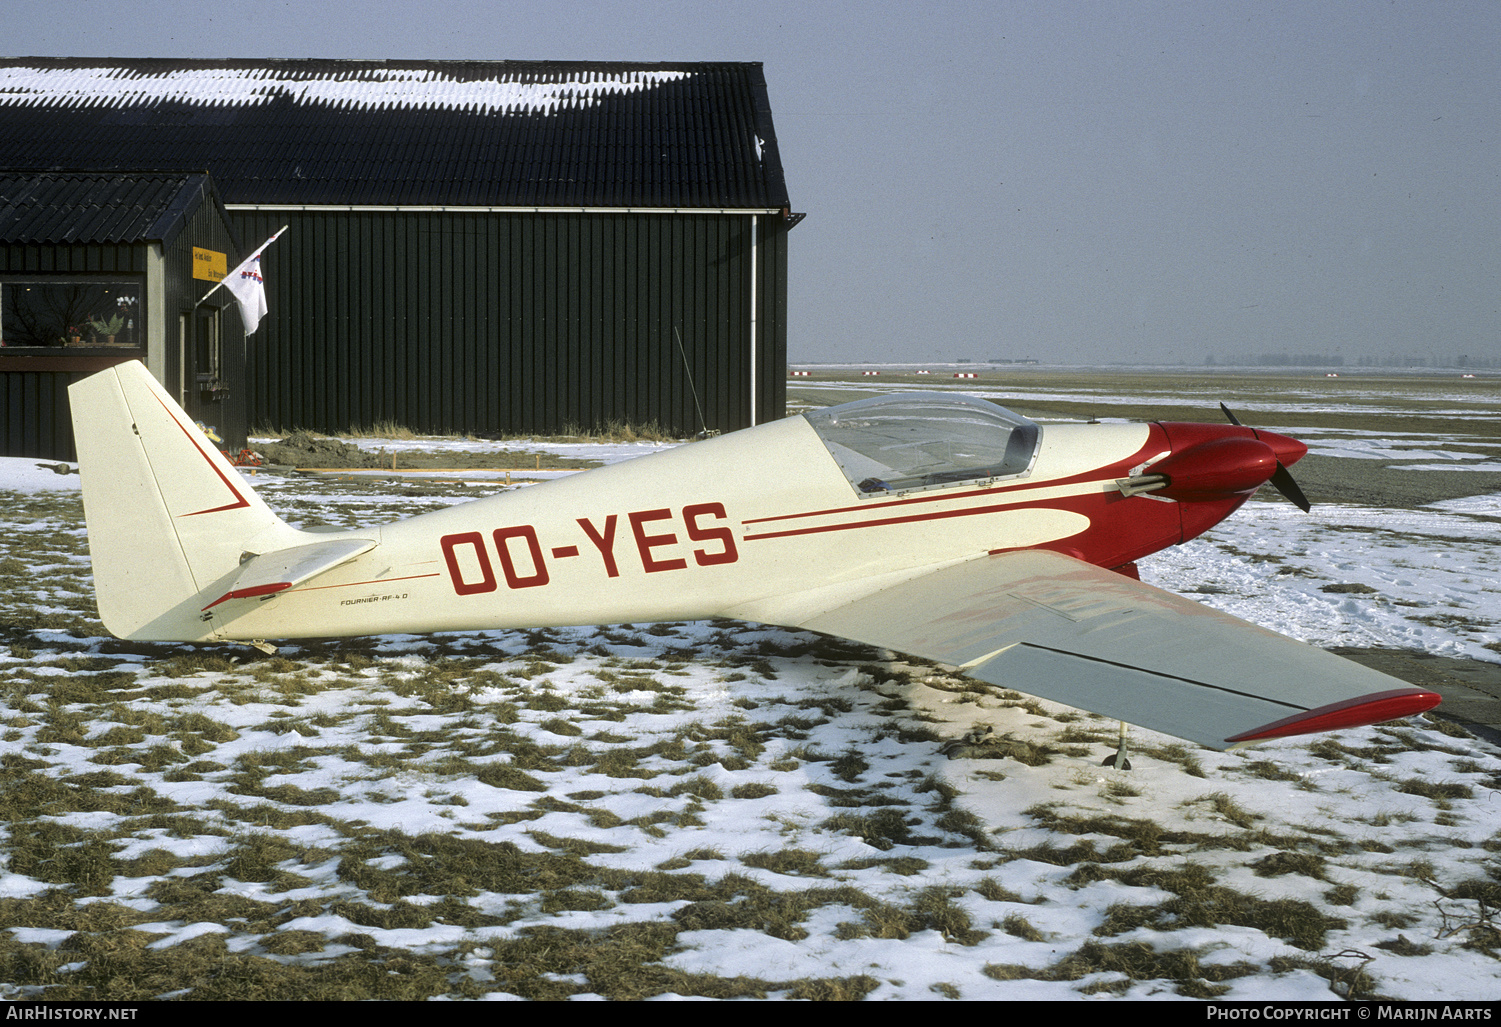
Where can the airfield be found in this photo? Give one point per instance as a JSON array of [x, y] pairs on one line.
[[721, 809]]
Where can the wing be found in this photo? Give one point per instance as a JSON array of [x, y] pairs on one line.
[[1061, 629]]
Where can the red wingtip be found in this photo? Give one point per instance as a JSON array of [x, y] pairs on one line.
[[1368, 709]]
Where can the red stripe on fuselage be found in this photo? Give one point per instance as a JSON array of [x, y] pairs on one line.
[[285, 586], [1057, 503], [1103, 474], [240, 500], [373, 581]]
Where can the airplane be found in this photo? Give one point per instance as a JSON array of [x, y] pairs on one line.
[[934, 524]]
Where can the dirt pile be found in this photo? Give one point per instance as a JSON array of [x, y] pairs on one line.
[[304, 449]]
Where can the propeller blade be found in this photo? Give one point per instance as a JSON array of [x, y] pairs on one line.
[[1282, 479]]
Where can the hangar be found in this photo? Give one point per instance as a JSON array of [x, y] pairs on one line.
[[479, 246]]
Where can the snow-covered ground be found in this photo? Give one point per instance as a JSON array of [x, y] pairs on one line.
[[727, 809]]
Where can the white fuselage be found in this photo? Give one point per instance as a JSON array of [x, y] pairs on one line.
[[703, 530]]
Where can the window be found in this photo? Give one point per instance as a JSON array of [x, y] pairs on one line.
[[206, 349], [925, 440], [64, 312]]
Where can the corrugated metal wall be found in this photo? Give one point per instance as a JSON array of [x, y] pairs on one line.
[[35, 421], [514, 322]]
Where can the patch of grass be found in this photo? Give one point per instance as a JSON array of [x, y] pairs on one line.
[[934, 909], [752, 790], [1226, 807], [1439, 791], [882, 829], [1402, 947], [1269, 771], [61, 854], [440, 864], [194, 661], [1176, 753], [1139, 836], [509, 777], [741, 904], [621, 762], [575, 899], [1342, 895], [1305, 864], [792, 862], [1199, 904], [905, 866], [962, 822], [849, 766], [993, 890], [255, 855], [1134, 961], [1021, 927], [698, 786]]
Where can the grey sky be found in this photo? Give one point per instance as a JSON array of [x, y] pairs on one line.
[[1076, 182]]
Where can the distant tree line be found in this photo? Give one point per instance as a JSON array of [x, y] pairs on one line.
[[1338, 360]]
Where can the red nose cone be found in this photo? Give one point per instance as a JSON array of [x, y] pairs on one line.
[[1289, 451]]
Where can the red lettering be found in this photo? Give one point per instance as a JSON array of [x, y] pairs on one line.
[[646, 543], [726, 538], [456, 575], [503, 537], [605, 543]]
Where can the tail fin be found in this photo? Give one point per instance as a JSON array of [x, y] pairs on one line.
[[167, 514]]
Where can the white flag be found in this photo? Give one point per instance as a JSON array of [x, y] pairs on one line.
[[249, 288]]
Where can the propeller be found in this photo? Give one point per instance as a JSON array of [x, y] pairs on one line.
[[1282, 479]]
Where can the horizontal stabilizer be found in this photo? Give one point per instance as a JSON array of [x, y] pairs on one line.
[[1064, 630], [271, 573]]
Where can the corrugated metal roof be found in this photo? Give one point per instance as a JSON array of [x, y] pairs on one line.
[[97, 207], [502, 133]]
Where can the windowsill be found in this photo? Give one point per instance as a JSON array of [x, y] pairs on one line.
[[19, 359], [67, 351]]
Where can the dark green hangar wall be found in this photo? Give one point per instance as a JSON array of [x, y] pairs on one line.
[[509, 321]]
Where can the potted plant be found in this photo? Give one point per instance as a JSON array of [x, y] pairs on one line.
[[109, 328]]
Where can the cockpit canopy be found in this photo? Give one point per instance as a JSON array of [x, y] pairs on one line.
[[920, 440]]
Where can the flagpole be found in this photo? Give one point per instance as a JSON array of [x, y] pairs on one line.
[[221, 281]]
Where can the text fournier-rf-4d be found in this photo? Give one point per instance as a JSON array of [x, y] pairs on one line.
[[927, 523]]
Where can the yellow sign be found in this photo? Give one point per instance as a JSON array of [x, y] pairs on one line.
[[209, 265]]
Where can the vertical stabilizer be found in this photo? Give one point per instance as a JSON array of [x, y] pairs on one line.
[[167, 514]]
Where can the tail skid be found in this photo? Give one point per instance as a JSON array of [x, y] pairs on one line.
[[168, 517]]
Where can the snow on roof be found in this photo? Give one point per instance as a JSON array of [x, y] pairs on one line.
[[360, 85], [460, 133]]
